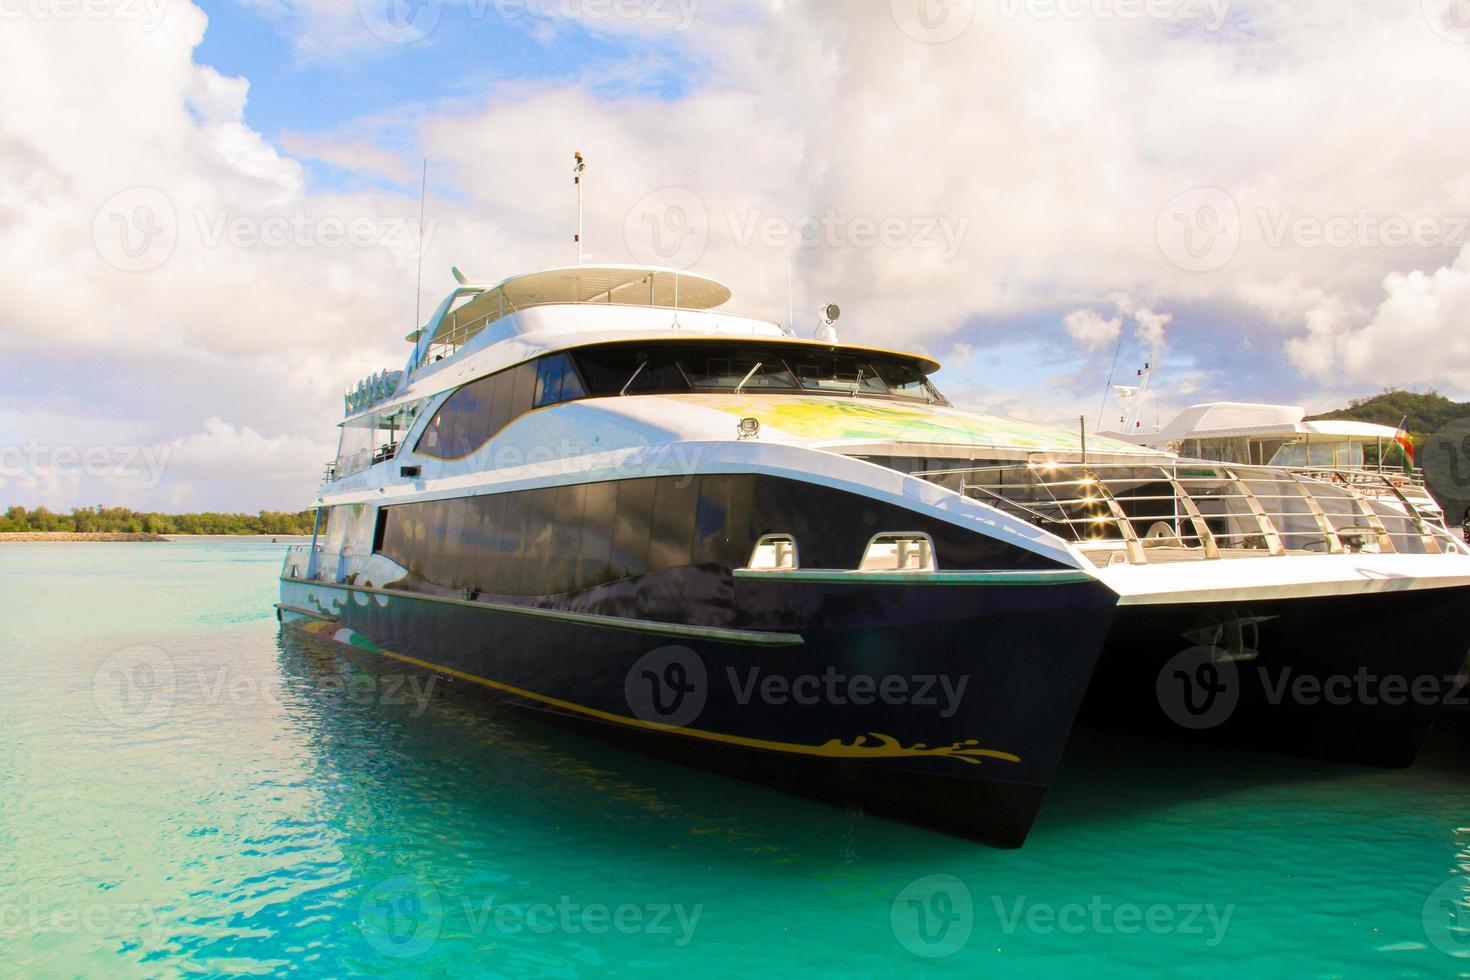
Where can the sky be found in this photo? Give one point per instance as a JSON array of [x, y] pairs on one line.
[[209, 212]]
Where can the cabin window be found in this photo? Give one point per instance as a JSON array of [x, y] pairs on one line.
[[559, 540], [614, 369], [557, 381], [477, 411]]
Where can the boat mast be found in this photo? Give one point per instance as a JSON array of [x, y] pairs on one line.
[[418, 287], [578, 166]]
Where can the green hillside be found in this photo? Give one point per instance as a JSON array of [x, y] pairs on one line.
[[1427, 411]]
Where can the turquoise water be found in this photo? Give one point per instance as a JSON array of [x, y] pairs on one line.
[[184, 791]]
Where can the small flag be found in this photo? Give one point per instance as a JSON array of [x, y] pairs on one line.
[[1406, 444]]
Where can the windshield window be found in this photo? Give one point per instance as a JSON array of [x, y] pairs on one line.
[[631, 369]]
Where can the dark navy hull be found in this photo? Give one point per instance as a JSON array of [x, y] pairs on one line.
[[943, 705], [1356, 679]]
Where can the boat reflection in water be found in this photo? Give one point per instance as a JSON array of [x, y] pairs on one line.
[[596, 494]]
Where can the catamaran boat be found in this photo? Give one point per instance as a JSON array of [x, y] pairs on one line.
[[1368, 456], [598, 494]]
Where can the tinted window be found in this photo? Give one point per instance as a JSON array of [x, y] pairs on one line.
[[561, 540], [556, 381], [462, 424], [673, 367]]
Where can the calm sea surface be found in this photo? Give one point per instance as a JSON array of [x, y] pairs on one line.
[[183, 790]]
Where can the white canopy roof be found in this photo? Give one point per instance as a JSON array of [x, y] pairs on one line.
[[611, 284], [1217, 420]]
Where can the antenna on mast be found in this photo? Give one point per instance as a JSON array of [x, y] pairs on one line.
[[790, 299], [418, 288], [578, 166]]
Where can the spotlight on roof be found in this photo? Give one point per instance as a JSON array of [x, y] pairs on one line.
[[826, 332]]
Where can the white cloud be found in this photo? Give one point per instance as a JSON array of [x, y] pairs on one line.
[[1021, 168], [1150, 329], [1417, 333], [1090, 330]]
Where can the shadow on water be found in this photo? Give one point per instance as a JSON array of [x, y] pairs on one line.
[[433, 779], [526, 775], [510, 773]]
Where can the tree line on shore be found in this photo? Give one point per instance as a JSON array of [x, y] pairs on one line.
[[88, 520]]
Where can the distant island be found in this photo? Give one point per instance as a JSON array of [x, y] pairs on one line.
[[1426, 411], [119, 523]]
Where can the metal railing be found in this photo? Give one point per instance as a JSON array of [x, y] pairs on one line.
[[1184, 509]]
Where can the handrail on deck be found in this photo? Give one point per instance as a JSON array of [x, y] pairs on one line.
[[1201, 508]]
